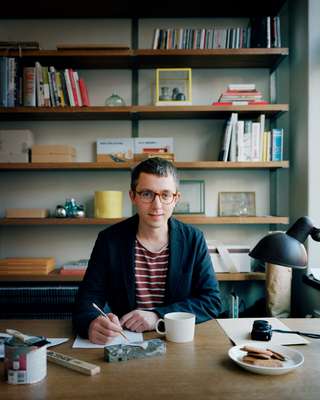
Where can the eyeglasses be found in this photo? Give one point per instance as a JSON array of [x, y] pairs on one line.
[[148, 196]]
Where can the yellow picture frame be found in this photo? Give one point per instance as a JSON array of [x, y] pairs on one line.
[[173, 87]]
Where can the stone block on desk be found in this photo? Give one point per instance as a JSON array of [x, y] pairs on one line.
[[125, 352]]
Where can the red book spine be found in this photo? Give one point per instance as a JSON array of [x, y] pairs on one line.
[[84, 93], [73, 87]]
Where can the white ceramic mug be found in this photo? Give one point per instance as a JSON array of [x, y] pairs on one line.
[[179, 326]]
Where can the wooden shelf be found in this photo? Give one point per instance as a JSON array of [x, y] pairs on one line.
[[148, 58], [56, 277], [190, 165], [241, 276], [211, 58], [207, 111], [190, 219], [137, 112], [204, 220]]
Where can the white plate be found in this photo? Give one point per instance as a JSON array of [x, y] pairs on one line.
[[293, 360]]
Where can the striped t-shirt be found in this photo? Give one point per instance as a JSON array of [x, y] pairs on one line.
[[150, 274]]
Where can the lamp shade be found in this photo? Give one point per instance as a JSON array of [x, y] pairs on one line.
[[286, 248]]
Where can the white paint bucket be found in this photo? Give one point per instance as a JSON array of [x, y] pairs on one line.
[[23, 363]]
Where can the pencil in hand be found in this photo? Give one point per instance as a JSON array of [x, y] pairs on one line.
[[105, 315]]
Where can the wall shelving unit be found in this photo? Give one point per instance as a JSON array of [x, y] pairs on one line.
[[136, 59]]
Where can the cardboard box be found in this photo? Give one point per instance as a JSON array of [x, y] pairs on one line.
[[53, 153], [26, 213], [114, 149], [229, 258], [16, 140]]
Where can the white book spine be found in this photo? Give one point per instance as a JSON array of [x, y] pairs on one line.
[[39, 85], [155, 39], [262, 120], [233, 144], [255, 141], [69, 88], [240, 141]]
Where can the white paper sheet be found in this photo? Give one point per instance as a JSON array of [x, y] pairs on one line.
[[86, 344], [56, 341], [239, 329]]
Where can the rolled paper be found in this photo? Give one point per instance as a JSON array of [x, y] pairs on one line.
[[108, 204]]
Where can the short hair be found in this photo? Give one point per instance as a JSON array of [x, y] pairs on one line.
[[156, 166]]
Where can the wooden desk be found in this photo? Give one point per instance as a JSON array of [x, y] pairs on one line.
[[195, 371]]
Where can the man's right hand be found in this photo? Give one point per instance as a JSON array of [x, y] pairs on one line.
[[103, 330]]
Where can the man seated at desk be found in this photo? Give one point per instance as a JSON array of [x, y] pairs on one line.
[[148, 265]]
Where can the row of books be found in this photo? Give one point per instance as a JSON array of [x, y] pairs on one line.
[[233, 38], [247, 140], [40, 86], [261, 32], [241, 94]]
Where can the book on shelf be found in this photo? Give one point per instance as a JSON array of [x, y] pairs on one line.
[[201, 38], [76, 267], [277, 144], [265, 32], [84, 93], [29, 87], [242, 86], [240, 103], [241, 94], [226, 140], [39, 86], [76, 264], [249, 140], [72, 272], [153, 145]]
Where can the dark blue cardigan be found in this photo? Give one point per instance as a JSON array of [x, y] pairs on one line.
[[110, 277]]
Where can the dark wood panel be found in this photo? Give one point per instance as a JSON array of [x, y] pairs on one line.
[[138, 8]]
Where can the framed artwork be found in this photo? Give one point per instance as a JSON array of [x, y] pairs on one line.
[[237, 204], [192, 197]]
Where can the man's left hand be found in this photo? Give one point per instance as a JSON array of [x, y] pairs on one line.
[[139, 321]]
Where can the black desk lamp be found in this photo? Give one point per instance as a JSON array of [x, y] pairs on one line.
[[286, 248]]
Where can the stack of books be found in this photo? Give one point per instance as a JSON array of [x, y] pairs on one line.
[[26, 266], [240, 94], [77, 267]]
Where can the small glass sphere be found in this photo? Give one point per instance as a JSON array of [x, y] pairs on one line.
[[115, 101]]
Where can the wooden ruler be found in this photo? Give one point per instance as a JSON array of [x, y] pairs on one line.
[[73, 363]]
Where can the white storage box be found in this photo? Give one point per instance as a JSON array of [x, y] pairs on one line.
[[17, 141], [114, 149], [229, 258]]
